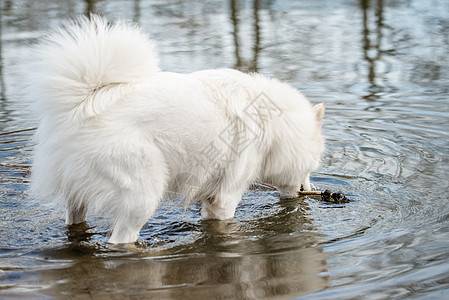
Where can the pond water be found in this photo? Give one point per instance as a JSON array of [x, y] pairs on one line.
[[381, 67]]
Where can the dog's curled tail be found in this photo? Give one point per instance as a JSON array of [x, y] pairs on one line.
[[83, 57]]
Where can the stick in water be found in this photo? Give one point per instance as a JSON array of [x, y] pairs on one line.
[[17, 168], [326, 196]]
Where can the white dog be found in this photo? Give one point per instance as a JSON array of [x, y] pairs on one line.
[[117, 135]]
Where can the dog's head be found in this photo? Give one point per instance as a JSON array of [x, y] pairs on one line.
[[297, 147], [316, 146]]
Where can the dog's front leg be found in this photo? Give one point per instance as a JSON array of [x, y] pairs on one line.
[[220, 207], [291, 190]]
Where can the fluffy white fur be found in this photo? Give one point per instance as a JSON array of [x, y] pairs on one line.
[[117, 135]]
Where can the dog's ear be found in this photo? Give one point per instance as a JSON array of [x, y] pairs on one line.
[[319, 111]]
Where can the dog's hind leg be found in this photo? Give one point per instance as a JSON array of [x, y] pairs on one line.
[[76, 215], [134, 206], [127, 232], [136, 183], [131, 217]]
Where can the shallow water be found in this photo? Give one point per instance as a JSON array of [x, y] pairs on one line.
[[381, 67]]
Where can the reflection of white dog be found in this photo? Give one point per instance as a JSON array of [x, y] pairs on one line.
[[117, 134]]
